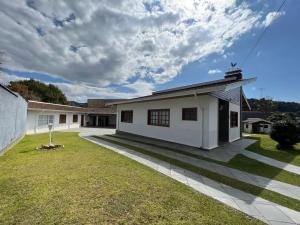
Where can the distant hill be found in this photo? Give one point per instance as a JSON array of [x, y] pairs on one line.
[[78, 104], [267, 105]]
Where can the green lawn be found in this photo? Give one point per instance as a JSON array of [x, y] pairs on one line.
[[268, 147], [242, 163], [249, 188], [249, 165], [88, 184]]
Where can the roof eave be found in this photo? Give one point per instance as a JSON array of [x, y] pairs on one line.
[[186, 93]]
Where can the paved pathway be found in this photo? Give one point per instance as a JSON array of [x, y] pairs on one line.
[[223, 153], [263, 182], [254, 206], [88, 131], [273, 162]]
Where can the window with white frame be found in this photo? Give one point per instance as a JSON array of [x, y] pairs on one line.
[[44, 120]]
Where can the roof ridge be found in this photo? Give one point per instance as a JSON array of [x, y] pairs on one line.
[[49, 103]]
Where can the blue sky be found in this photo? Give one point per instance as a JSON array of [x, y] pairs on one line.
[[275, 62], [164, 49]]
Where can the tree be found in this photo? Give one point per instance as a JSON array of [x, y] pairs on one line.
[[265, 105], [36, 90], [277, 116], [285, 133]]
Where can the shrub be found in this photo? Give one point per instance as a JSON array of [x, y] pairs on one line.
[[285, 132]]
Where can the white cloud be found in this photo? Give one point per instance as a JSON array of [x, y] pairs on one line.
[[98, 43], [81, 92], [271, 17], [5, 78], [214, 71]]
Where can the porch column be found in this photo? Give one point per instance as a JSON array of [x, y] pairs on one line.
[[97, 122]]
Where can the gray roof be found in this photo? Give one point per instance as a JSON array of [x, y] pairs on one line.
[[256, 120], [190, 90], [198, 85]]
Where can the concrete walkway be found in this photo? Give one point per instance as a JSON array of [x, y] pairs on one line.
[[272, 162], [223, 153], [263, 182], [88, 131], [254, 206]]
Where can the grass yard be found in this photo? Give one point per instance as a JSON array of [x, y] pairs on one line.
[[267, 147], [249, 165], [243, 163], [249, 188], [88, 184]]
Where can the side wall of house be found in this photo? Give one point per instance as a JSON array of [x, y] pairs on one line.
[[249, 128], [33, 127], [200, 133], [13, 114], [234, 132], [233, 96], [265, 128]]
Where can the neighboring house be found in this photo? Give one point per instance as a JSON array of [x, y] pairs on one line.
[[254, 114], [257, 125], [103, 116], [40, 114], [13, 114], [201, 115]]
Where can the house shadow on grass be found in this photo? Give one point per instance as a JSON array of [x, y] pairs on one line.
[[238, 195], [222, 176]]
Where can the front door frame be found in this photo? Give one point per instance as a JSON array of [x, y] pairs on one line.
[[223, 121]]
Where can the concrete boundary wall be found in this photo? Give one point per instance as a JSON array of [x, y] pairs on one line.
[[13, 116]]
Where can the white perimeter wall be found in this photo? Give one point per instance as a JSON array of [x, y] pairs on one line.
[[13, 113], [234, 133], [33, 116], [201, 133]]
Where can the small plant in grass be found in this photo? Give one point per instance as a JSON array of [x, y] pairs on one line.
[[285, 132]]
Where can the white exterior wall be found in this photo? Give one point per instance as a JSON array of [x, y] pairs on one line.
[[266, 130], [234, 132], [13, 114], [249, 129], [33, 116], [201, 133]]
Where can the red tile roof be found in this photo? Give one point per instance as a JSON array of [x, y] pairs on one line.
[[34, 105]]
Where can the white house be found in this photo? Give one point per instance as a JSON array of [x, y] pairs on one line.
[[40, 114], [257, 125], [200, 115]]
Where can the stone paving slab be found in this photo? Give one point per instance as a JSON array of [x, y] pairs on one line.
[[263, 182], [222, 153], [272, 162], [252, 205]]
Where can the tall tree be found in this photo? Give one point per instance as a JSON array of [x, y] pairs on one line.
[[36, 90]]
